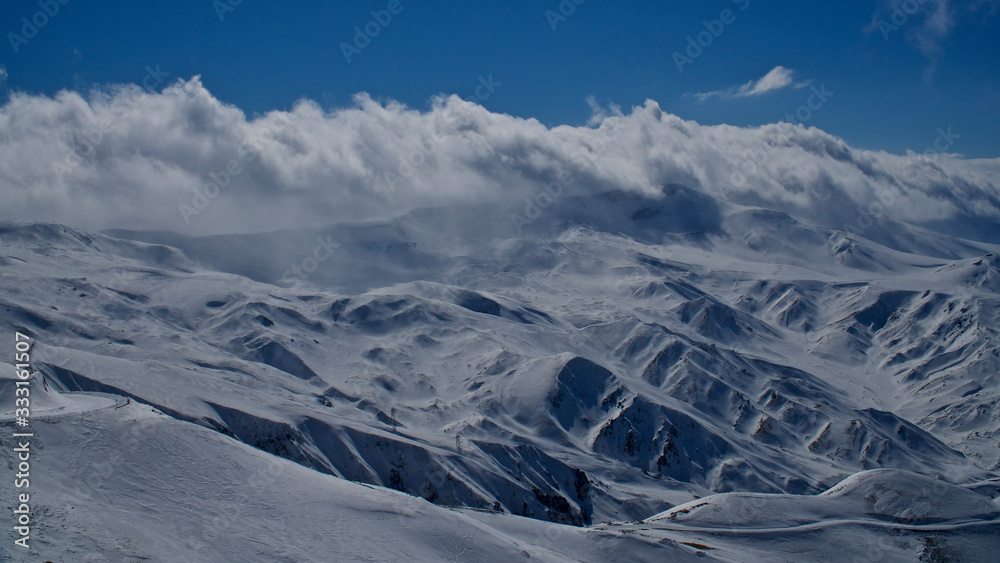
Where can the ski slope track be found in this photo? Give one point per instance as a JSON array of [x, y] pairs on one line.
[[623, 378]]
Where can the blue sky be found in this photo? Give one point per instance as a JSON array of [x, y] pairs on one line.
[[890, 91]]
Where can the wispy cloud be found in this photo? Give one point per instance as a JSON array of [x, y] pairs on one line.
[[928, 26], [598, 113], [779, 77], [3, 74]]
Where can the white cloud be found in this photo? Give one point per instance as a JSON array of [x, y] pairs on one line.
[[779, 77], [308, 166], [3, 74]]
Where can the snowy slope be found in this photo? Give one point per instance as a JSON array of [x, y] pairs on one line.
[[620, 356], [123, 481], [133, 484]]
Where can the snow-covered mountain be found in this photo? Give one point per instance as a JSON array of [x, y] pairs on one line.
[[614, 376]]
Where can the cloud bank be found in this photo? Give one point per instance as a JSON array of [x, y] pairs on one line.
[[778, 78], [181, 160]]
